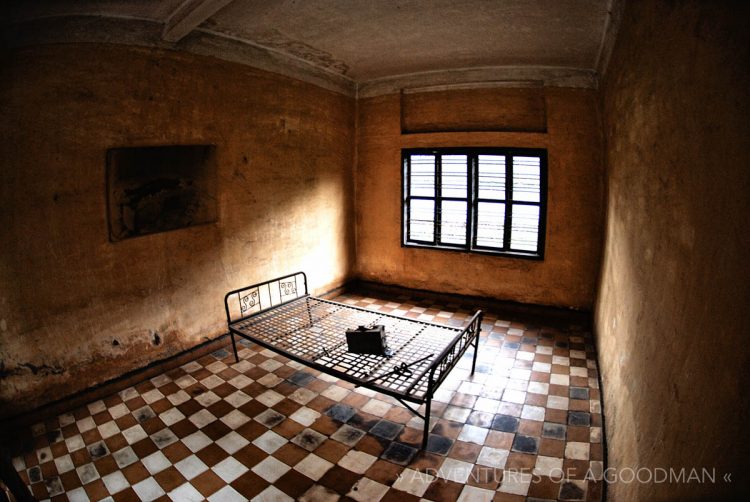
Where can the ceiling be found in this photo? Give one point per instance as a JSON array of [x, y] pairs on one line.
[[360, 45]]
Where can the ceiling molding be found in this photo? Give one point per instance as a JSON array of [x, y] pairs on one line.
[[494, 76], [148, 33], [189, 16], [493, 84]]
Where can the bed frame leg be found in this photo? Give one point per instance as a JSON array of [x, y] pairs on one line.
[[234, 348], [476, 351], [426, 423]]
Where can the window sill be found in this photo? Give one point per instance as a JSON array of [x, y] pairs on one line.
[[499, 254]]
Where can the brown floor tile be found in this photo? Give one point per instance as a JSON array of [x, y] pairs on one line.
[[70, 480], [488, 478], [207, 483], [332, 450], [144, 447], [507, 497], [135, 473], [80, 457], [384, 472], [536, 399], [578, 434], [317, 386], [220, 408], [290, 454], [127, 495], [294, 484], [290, 428], [442, 489], [102, 417], [189, 407], [544, 487], [339, 479], [355, 400], [169, 479], [48, 470], [216, 430], [530, 428], [161, 406], [135, 403], [520, 462], [373, 445], [594, 491], [579, 405], [411, 436], [251, 430], [426, 462], [320, 404], [176, 452], [59, 449], [91, 436], [467, 452], [398, 414], [152, 425], [501, 440], [398, 496], [249, 484], [106, 465], [287, 407], [325, 425], [556, 416], [40, 491], [575, 469], [183, 428], [596, 452], [212, 454]]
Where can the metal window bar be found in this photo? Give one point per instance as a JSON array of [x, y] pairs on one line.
[[473, 200]]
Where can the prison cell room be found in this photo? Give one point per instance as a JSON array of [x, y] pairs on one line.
[[374, 251]]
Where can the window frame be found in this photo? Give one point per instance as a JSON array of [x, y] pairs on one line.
[[472, 199]]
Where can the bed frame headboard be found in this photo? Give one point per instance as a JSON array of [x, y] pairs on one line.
[[251, 300]]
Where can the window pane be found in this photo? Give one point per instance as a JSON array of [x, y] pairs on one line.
[[491, 183], [423, 175], [422, 220], [490, 224], [453, 179], [524, 232], [453, 222], [526, 180]]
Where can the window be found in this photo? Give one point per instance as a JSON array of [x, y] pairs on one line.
[[488, 200]]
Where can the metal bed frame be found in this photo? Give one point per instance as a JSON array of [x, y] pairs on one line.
[[277, 315]]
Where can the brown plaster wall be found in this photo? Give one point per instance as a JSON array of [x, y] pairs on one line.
[[672, 308], [567, 276], [285, 152]]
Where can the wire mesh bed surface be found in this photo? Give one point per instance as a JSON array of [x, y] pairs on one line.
[[314, 330], [281, 316]]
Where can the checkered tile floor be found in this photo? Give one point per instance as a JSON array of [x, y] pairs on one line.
[[525, 426]]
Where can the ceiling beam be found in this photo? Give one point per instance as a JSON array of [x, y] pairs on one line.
[[189, 16]]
